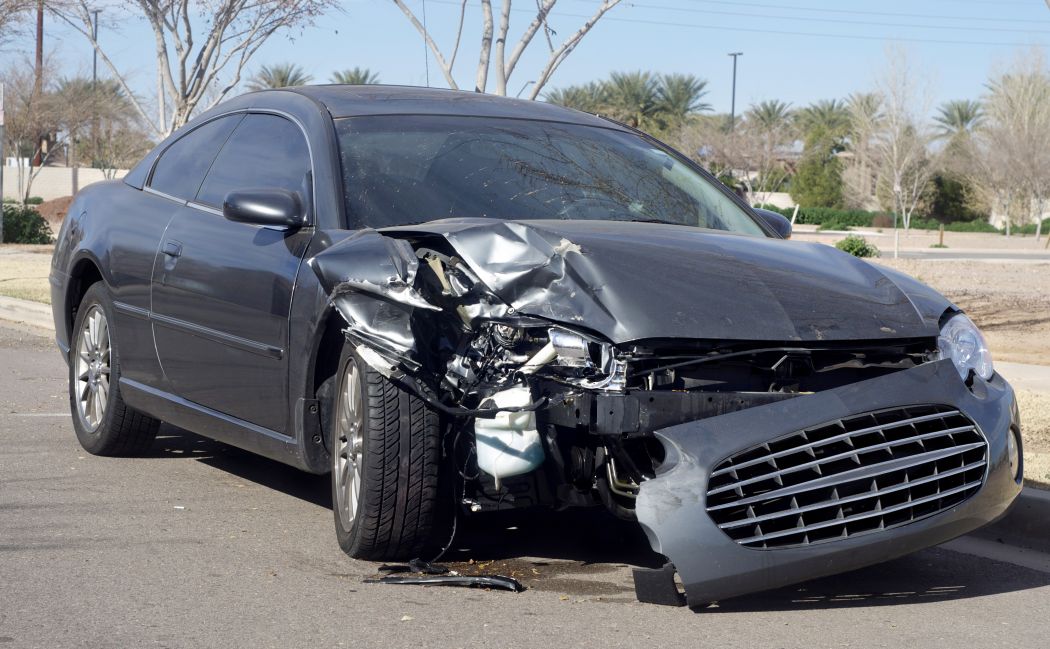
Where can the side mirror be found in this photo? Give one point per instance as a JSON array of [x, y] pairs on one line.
[[780, 224], [269, 207]]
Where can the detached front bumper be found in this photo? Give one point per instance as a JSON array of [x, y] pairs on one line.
[[673, 507]]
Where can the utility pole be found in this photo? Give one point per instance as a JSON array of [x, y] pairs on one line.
[[2, 163], [732, 106], [94, 97], [38, 78], [94, 51]]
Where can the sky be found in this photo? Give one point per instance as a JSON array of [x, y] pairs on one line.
[[797, 51]]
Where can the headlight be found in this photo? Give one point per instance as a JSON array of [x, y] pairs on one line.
[[961, 341]]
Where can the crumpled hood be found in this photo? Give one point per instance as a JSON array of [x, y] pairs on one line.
[[632, 281]]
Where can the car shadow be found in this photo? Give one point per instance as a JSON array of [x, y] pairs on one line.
[[544, 543], [174, 442]]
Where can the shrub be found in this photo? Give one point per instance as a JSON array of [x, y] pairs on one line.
[[1029, 228], [835, 224], [25, 225], [857, 246], [957, 226], [34, 200]]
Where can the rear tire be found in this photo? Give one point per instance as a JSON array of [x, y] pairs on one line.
[[104, 424], [386, 456]]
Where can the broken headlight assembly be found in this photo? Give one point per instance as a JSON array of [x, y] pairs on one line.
[[571, 357], [961, 341]]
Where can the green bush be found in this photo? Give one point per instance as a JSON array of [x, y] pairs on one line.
[[34, 200], [25, 225], [1029, 228], [857, 246], [957, 226]]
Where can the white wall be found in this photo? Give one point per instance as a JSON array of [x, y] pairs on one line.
[[780, 199], [52, 182]]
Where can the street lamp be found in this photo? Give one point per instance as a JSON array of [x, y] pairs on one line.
[[732, 106]]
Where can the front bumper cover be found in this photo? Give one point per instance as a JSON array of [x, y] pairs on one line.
[[672, 506]]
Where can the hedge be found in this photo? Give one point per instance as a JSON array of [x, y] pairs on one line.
[[1029, 228], [25, 225], [832, 219]]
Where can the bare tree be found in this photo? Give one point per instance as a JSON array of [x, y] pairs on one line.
[[756, 153], [30, 110], [494, 40], [901, 144], [190, 64], [1011, 149], [12, 15]]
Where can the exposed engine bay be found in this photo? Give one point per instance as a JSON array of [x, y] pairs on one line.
[[552, 399]]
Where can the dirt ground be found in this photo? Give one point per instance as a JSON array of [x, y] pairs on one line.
[[1010, 302], [54, 211]]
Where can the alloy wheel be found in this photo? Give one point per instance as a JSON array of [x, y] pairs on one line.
[[348, 451], [93, 368]]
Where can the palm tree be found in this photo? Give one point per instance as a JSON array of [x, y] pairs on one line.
[[589, 97], [958, 117], [679, 96], [769, 115], [828, 118], [281, 75], [355, 77], [632, 97]]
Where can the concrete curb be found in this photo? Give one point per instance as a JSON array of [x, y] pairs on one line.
[[31, 313], [1026, 525]]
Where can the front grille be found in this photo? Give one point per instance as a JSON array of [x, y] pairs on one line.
[[857, 475]]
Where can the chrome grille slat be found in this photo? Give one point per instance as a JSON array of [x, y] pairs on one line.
[[857, 475], [842, 501], [840, 456], [873, 471], [857, 517], [830, 440]]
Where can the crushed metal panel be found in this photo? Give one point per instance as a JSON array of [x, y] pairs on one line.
[[672, 507]]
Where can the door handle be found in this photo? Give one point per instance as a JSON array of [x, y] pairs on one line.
[[173, 249]]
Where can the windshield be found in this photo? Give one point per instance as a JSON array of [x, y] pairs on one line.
[[401, 170]]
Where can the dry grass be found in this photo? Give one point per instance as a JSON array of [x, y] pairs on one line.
[[1035, 431], [23, 272]]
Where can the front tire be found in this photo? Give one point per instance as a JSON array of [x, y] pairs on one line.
[[104, 424], [386, 454]]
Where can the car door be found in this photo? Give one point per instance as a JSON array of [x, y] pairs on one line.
[[222, 290], [141, 218]]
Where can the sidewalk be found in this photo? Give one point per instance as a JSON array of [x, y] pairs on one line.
[[35, 314]]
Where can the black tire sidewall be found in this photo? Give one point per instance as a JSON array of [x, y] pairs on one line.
[[97, 441]]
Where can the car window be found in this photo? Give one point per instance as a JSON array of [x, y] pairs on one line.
[[182, 166], [414, 168], [265, 152]]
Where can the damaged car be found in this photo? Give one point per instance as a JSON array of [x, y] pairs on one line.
[[456, 303]]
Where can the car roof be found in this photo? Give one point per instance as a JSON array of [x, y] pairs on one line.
[[356, 101]]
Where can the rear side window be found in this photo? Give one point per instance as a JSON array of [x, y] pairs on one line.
[[265, 152], [182, 166]]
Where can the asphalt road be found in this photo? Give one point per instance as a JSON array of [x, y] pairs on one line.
[[202, 545]]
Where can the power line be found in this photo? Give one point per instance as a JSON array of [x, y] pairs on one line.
[[837, 20], [859, 12], [779, 32]]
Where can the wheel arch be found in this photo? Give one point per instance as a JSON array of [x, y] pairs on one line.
[[84, 273]]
